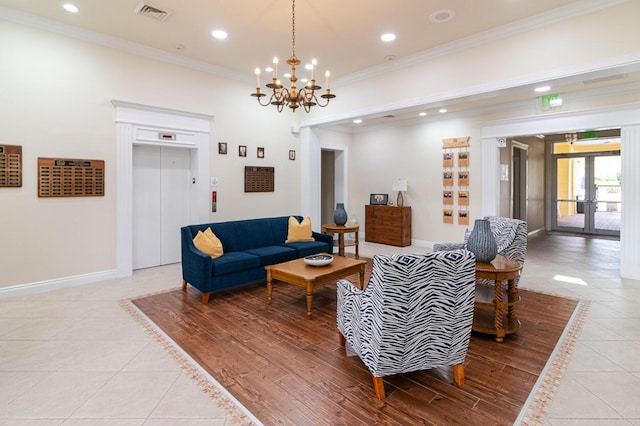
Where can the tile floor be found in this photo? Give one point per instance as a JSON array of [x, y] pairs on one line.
[[74, 356]]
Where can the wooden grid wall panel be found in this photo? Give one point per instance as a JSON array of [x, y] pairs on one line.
[[10, 166], [70, 178]]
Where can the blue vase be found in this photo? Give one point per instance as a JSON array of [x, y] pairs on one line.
[[340, 215], [481, 242]]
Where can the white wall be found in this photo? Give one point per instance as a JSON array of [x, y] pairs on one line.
[[415, 153], [55, 102]]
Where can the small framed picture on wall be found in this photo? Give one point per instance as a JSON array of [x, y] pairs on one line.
[[292, 154], [242, 151], [447, 159], [222, 148], [260, 152], [447, 216]]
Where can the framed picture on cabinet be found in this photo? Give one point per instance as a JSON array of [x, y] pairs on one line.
[[379, 199]]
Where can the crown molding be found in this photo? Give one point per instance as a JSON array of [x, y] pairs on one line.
[[539, 21], [33, 21], [566, 12], [623, 63]]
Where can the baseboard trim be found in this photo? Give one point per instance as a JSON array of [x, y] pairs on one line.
[[42, 286]]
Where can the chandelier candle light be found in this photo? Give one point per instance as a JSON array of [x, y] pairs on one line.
[[293, 98]]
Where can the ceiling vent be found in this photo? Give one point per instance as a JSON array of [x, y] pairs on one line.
[[144, 8]]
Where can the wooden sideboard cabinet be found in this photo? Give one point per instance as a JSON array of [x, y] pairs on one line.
[[387, 225]]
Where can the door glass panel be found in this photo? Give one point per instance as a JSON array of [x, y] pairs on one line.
[[570, 192], [608, 193]]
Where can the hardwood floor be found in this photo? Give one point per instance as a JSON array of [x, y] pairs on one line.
[[288, 370]]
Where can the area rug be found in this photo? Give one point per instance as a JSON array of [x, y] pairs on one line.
[[254, 389]]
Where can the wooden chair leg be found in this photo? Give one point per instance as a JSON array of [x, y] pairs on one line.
[[458, 374], [205, 298], [378, 386], [184, 285], [343, 341]]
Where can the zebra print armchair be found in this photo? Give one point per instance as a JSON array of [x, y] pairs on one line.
[[510, 234], [415, 314]]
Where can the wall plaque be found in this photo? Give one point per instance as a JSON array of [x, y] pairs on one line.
[[10, 166], [65, 177], [259, 179]]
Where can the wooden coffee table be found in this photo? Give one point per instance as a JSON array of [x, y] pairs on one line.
[[299, 273]]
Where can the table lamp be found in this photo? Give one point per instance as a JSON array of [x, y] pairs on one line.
[[400, 185]]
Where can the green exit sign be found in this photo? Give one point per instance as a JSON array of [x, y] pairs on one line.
[[551, 101]]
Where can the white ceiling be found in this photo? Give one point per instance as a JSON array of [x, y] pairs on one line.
[[343, 35]]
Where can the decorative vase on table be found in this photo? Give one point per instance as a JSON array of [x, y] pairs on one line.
[[481, 242], [340, 215]]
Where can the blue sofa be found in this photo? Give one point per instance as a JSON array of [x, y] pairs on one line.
[[249, 245]]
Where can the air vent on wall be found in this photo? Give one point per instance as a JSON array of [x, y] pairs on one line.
[[144, 8]]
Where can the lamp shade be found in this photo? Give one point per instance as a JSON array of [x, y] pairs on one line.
[[399, 185]]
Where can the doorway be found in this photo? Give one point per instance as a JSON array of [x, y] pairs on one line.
[[519, 188], [331, 183], [588, 192]]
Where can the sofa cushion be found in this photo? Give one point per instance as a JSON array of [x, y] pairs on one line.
[[308, 248], [273, 254], [208, 243], [233, 262], [299, 231]]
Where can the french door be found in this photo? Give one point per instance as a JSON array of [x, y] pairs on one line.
[[588, 193]]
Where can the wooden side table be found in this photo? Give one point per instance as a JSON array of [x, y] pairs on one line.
[[492, 315], [332, 228]]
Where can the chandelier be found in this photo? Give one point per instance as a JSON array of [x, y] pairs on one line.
[[292, 97]]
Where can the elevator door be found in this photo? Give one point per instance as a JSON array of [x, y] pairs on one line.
[[161, 203]]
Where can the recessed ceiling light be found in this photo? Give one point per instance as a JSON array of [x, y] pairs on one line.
[[357, 121], [70, 8], [441, 16], [542, 89], [388, 37], [422, 114], [268, 69], [443, 110], [287, 75], [219, 34]]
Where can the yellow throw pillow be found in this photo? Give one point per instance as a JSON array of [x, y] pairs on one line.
[[299, 231], [208, 243]]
